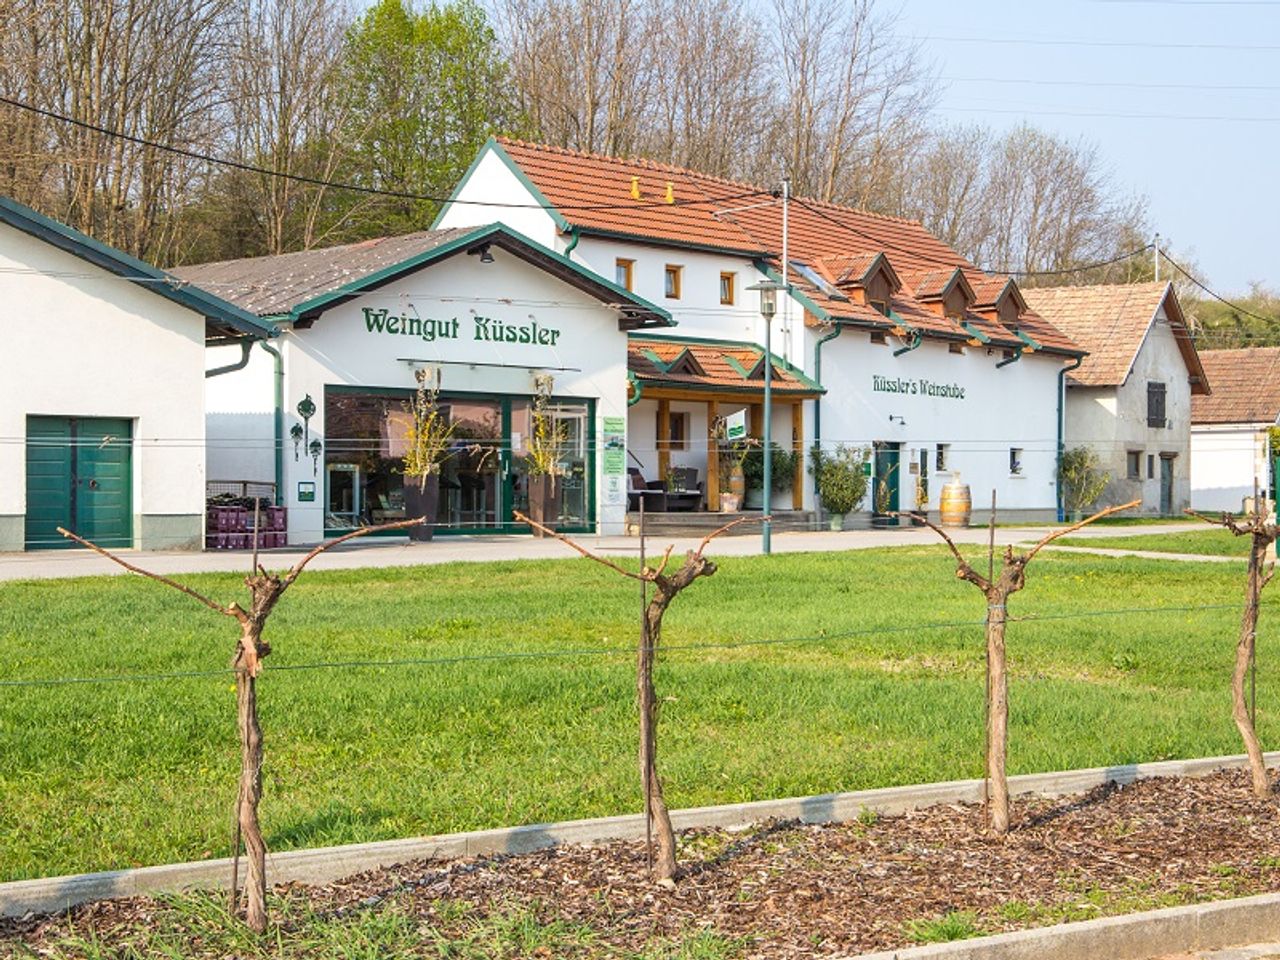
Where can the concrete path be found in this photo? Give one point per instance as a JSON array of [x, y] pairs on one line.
[[389, 552], [1148, 554], [1257, 951]]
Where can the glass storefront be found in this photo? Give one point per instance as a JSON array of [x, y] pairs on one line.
[[484, 477]]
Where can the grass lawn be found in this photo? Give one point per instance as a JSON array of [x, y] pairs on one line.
[[1203, 542], [102, 776]]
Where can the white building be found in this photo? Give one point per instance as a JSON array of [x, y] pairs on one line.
[[1230, 428], [102, 384], [322, 414], [940, 367], [1130, 399]]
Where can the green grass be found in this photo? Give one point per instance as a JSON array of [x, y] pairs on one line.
[[956, 925], [103, 776], [1203, 542]]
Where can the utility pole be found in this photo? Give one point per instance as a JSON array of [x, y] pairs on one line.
[[1157, 250]]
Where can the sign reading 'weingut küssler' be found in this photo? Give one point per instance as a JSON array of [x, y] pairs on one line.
[[918, 387], [485, 329]]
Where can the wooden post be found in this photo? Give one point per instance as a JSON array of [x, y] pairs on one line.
[[757, 421], [664, 438], [713, 457], [797, 447]]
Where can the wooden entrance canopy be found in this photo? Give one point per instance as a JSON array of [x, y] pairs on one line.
[[718, 373]]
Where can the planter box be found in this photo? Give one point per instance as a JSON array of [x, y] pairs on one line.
[[422, 501]]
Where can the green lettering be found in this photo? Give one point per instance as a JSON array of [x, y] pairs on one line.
[[393, 324], [482, 328], [413, 326], [554, 335], [374, 319]]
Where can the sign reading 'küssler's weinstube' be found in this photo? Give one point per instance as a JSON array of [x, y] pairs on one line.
[[486, 329], [917, 387]]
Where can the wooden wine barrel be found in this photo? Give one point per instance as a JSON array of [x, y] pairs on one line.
[[956, 505], [738, 484]]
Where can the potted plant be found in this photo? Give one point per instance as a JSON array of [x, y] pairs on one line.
[[781, 465], [426, 444], [1083, 480], [883, 515], [842, 480], [733, 481], [922, 499], [547, 437]]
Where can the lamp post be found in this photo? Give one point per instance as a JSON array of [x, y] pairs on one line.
[[768, 308]]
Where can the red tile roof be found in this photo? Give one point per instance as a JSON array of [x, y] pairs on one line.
[[707, 364], [593, 193], [1111, 322], [1246, 386]]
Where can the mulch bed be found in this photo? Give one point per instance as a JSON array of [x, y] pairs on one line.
[[788, 889]]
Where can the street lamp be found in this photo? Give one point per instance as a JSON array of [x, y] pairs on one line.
[[768, 308]]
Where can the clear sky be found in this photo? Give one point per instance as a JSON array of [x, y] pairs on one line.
[[1157, 84]]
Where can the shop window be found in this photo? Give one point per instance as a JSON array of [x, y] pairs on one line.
[[1155, 405], [942, 457], [877, 336], [726, 289], [1134, 464], [671, 281], [679, 432], [955, 347], [623, 272], [1151, 466], [1015, 461]]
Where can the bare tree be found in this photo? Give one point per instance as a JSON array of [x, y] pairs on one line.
[[666, 586], [1262, 534], [265, 591], [997, 590]]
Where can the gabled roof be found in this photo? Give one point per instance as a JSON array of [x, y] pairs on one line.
[[1246, 386], [593, 195], [222, 319], [724, 366], [1111, 322], [298, 287]]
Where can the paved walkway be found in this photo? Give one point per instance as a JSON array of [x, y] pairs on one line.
[[1257, 951], [385, 552]]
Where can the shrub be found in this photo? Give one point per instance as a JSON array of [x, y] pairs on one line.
[[841, 475]]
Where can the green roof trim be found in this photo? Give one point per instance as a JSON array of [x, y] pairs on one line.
[[493, 146], [657, 360], [974, 332], [808, 382], [511, 240], [804, 301], [733, 362], [1029, 341], [239, 322]]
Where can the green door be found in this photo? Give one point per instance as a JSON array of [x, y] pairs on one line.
[[79, 476], [886, 480]]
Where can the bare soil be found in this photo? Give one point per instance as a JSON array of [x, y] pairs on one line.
[[785, 889]]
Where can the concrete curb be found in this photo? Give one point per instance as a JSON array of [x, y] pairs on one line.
[[1137, 936], [325, 864]]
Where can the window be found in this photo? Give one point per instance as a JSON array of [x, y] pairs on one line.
[[623, 271], [880, 307], [1015, 461], [956, 347], [877, 336], [1134, 463], [1151, 466], [726, 289], [1155, 405], [942, 457], [678, 432], [671, 281]]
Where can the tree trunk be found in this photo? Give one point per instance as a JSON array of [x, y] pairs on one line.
[[664, 862], [997, 716], [1244, 659], [247, 803]]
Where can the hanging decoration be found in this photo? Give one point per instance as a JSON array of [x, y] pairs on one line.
[[296, 432], [315, 450], [306, 410]]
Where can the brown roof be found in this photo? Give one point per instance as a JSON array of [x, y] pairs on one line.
[[725, 366], [593, 193], [1246, 386], [1111, 322]]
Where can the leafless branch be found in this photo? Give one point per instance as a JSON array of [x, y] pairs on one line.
[[1226, 520], [297, 568], [725, 529], [963, 570], [520, 517], [1055, 534], [225, 611]]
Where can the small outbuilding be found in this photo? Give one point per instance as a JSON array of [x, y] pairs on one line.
[[1231, 447], [102, 382]]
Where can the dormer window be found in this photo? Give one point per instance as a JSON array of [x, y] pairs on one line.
[[880, 306]]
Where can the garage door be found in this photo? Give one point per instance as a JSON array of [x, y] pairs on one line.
[[79, 476]]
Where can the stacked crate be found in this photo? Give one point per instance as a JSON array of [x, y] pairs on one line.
[[230, 527]]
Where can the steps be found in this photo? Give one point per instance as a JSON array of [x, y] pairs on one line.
[[700, 523]]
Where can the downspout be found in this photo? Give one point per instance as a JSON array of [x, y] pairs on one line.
[[1017, 355], [246, 345], [1062, 402], [817, 376], [279, 418], [574, 237], [916, 340], [636, 387]]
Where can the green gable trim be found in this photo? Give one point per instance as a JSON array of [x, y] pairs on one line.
[[799, 297], [733, 362], [656, 360], [121, 264], [494, 147], [778, 362], [974, 332], [516, 243], [1029, 341]]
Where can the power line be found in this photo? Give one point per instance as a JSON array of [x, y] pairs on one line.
[[1214, 87], [1135, 44], [1234, 306], [1116, 116], [358, 188]]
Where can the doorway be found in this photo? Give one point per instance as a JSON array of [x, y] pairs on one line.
[[80, 477], [886, 481], [1166, 484]]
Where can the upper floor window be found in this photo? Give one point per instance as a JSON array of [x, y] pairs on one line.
[[1015, 460], [726, 289], [671, 281], [881, 307], [1155, 404], [623, 273]]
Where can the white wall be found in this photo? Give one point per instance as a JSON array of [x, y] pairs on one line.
[[1225, 460], [1113, 420], [339, 350], [240, 417], [83, 342], [1014, 406], [494, 182]]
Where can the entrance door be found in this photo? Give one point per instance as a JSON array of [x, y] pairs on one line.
[[1166, 485], [886, 482], [79, 476], [475, 482]]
